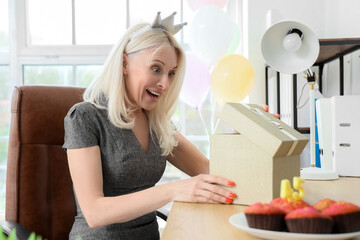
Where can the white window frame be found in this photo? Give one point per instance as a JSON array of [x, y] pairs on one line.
[[26, 50], [21, 53]]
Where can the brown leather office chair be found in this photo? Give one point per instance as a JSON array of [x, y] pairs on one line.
[[39, 190]]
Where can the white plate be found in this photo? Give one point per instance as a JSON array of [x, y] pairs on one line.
[[239, 221]]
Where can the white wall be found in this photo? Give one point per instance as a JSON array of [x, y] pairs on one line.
[[328, 19], [341, 19]]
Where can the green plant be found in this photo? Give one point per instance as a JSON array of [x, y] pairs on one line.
[[13, 236], [4, 237], [34, 237]]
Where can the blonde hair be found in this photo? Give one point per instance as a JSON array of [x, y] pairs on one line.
[[110, 82]]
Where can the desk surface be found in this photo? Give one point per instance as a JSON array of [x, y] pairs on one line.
[[211, 221]]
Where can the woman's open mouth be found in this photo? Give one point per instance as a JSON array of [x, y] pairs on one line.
[[152, 93]]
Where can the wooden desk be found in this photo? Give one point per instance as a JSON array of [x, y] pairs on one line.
[[211, 221]]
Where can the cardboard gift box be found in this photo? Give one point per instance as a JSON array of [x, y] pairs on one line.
[[263, 152]]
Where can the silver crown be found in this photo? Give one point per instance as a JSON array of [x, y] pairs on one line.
[[167, 24]]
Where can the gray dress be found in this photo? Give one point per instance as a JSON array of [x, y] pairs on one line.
[[126, 168]]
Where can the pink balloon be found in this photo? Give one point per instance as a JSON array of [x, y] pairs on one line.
[[196, 4], [196, 83]]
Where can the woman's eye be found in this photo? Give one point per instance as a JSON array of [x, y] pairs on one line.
[[171, 74], [156, 69]]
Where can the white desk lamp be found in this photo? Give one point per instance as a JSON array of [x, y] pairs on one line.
[[291, 47]]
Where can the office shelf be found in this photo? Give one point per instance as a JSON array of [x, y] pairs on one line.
[[330, 49]]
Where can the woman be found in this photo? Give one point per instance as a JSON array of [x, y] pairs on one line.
[[119, 138]]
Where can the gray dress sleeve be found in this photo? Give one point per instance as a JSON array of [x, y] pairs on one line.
[[80, 131]]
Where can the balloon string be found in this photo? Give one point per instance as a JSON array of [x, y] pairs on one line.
[[214, 116], [213, 106], [216, 125], [203, 122], [212, 103]]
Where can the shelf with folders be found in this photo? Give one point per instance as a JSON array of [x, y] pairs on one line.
[[330, 50]]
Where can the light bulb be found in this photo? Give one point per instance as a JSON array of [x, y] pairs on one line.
[[292, 42]]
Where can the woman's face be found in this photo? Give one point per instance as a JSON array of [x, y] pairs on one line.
[[148, 74]]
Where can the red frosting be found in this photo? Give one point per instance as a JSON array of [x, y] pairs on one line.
[[340, 208], [263, 208], [307, 212], [323, 204], [288, 206]]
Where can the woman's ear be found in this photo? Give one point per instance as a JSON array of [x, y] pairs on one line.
[[125, 64]]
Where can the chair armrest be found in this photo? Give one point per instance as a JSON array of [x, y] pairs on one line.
[[163, 213], [21, 232]]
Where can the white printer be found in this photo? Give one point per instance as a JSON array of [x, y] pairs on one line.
[[346, 134]]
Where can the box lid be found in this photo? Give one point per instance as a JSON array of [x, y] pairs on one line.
[[263, 129]]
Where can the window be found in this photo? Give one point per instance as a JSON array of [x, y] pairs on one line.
[[48, 75], [5, 95], [99, 22], [85, 74], [5, 92], [50, 27], [65, 42], [4, 27], [74, 75]]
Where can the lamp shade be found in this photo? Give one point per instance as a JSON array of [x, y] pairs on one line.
[[275, 47]]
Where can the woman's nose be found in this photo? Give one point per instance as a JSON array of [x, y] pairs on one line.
[[164, 82]]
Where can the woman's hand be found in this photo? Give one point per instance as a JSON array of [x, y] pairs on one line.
[[266, 108], [203, 188]]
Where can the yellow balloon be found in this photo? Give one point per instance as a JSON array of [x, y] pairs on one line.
[[232, 79]]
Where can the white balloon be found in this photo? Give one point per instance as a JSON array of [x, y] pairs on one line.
[[210, 34]]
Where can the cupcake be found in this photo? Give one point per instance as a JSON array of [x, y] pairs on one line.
[[265, 216], [308, 220], [323, 204], [346, 216], [287, 206]]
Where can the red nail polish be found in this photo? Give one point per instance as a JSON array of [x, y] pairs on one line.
[[228, 200], [230, 183], [232, 195]]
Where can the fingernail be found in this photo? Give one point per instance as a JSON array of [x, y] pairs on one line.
[[232, 195], [266, 108], [230, 183], [228, 200]]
